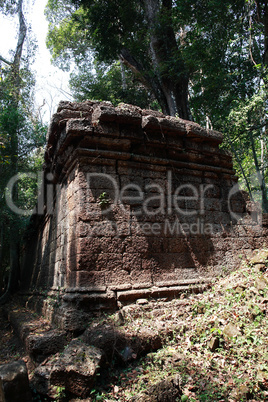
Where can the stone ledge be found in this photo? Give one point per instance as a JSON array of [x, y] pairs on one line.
[[125, 156], [37, 334], [159, 292], [85, 117]]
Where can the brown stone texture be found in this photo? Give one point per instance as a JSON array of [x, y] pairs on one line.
[[37, 335], [134, 204], [14, 382], [74, 369]]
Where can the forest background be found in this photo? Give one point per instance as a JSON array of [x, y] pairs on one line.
[[199, 60]]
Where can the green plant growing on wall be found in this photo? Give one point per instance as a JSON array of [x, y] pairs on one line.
[[104, 200], [60, 393]]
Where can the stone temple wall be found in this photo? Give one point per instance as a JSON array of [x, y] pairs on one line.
[[134, 204]]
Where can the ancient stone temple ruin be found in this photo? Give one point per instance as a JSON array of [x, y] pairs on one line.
[[134, 204]]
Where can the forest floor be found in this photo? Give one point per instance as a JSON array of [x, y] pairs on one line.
[[217, 342], [11, 347]]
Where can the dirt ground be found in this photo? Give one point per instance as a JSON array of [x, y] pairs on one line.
[[11, 347]]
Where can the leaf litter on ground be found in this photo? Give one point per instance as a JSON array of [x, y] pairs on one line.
[[233, 312]]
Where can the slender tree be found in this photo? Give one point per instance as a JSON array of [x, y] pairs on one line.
[[15, 66], [17, 132]]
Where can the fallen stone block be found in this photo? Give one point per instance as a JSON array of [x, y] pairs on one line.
[[75, 369], [15, 383], [115, 342], [41, 380], [36, 333], [43, 345], [106, 337]]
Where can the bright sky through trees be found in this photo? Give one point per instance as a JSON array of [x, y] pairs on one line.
[[51, 82]]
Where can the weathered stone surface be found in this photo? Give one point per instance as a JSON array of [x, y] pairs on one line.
[[214, 343], [15, 382], [261, 282], [107, 338], [36, 333], [231, 330], [169, 217], [119, 318], [71, 319], [41, 346], [117, 344], [41, 380], [76, 368]]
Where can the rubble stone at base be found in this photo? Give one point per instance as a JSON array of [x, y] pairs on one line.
[[15, 382]]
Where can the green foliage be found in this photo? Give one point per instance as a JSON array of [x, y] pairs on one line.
[[60, 393], [105, 83], [8, 7], [220, 50], [22, 138], [109, 30], [104, 200]]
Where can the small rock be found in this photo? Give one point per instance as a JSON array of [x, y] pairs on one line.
[[15, 382], [262, 376], [128, 354], [231, 330], [142, 301], [214, 343], [241, 393], [260, 257], [261, 283], [119, 319], [201, 309], [239, 289], [260, 267]]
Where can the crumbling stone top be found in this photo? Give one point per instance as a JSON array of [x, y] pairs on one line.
[[97, 112], [128, 132]]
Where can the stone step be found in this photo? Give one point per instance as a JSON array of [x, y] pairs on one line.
[[40, 339]]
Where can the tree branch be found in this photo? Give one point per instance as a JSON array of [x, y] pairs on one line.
[[22, 35], [148, 81], [5, 61]]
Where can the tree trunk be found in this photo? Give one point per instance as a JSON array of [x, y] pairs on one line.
[[265, 22], [241, 166], [168, 83], [15, 65], [1, 256], [163, 45], [14, 275], [259, 176], [123, 75]]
